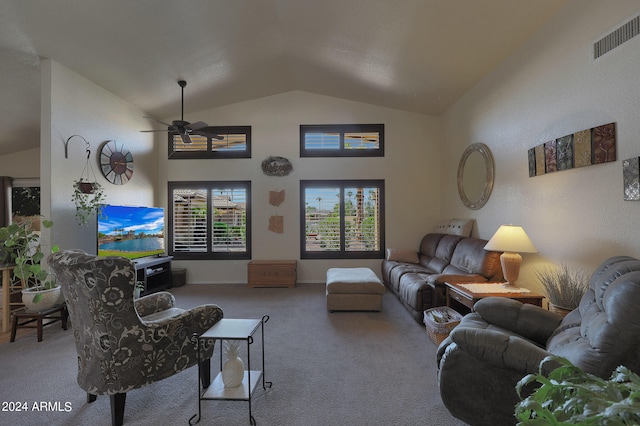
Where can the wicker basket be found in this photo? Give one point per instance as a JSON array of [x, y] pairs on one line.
[[438, 331]]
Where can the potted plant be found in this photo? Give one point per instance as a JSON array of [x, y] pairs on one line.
[[564, 287], [569, 395], [88, 198], [21, 246]]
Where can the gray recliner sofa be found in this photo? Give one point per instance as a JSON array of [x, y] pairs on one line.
[[503, 340]]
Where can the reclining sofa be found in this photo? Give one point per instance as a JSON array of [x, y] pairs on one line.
[[484, 357], [418, 278]]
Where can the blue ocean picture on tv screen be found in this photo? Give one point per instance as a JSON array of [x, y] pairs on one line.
[[130, 232]]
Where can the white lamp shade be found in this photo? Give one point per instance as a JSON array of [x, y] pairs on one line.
[[510, 238]]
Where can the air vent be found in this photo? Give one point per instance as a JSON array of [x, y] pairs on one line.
[[616, 37]]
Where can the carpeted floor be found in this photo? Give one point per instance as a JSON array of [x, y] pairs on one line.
[[343, 368]]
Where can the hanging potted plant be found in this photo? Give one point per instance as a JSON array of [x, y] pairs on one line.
[[88, 198], [88, 195], [21, 245]]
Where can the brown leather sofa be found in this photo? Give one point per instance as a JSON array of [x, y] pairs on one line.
[[418, 278]]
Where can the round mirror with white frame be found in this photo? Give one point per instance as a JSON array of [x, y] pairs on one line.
[[475, 176]]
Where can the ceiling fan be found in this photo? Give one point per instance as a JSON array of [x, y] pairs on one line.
[[184, 128]]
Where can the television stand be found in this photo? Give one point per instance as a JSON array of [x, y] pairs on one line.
[[155, 273]]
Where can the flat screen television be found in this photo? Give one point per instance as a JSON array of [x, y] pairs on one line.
[[131, 232]]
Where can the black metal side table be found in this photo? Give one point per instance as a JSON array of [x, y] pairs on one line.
[[232, 329]]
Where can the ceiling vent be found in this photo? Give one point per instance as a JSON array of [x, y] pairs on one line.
[[617, 37]]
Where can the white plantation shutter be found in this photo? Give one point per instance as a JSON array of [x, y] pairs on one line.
[[342, 140], [209, 220], [228, 218], [342, 219], [189, 220]]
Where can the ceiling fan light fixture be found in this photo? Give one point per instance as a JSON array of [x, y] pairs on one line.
[[184, 135]]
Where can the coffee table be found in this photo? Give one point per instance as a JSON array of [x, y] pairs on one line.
[[232, 329], [468, 294]]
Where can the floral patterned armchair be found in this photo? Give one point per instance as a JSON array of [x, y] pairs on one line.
[[122, 343]]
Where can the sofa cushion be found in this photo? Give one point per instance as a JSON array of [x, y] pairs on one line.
[[471, 258], [462, 227]]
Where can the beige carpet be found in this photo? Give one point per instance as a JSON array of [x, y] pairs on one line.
[[347, 368]]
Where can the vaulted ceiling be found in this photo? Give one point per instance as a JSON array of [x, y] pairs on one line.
[[413, 55]]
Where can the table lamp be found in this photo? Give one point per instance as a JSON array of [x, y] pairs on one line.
[[511, 240]]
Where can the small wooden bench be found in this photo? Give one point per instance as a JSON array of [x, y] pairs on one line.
[[23, 318]]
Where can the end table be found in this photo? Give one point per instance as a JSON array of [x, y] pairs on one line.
[[468, 294], [232, 329]]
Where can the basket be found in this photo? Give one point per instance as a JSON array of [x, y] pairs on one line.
[[439, 330]]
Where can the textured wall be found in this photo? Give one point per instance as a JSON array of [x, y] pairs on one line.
[[551, 87], [410, 168]]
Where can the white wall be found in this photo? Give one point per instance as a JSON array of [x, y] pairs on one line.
[[23, 164], [72, 105], [410, 167], [549, 88]]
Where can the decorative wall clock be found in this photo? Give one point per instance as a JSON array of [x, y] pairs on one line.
[[116, 163]]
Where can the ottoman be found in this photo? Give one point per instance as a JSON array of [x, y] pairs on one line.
[[353, 289]]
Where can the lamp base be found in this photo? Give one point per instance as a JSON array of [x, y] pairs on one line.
[[510, 267]]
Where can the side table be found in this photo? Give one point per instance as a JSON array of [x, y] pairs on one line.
[[232, 329], [468, 294], [38, 317]]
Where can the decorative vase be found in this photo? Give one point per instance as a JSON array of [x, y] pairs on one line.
[[233, 369], [559, 309], [38, 299]]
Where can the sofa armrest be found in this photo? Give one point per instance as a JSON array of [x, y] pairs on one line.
[[441, 279], [499, 349], [153, 303], [526, 320]]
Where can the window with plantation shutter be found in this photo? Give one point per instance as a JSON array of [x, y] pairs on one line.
[[235, 142], [210, 220], [342, 140], [342, 219]]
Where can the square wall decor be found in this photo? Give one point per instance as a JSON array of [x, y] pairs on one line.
[[584, 148]]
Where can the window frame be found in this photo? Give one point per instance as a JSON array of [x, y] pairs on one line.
[[209, 254], [342, 129], [342, 253], [209, 153]]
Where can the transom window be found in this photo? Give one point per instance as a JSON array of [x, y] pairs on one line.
[[235, 143], [342, 140], [342, 219], [210, 220]]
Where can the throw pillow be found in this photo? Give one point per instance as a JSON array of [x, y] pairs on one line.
[[399, 255]]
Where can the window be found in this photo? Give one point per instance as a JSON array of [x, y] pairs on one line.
[[342, 140], [235, 143], [25, 199], [210, 220], [342, 219]]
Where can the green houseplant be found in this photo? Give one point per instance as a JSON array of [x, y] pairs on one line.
[[21, 248], [564, 287], [569, 395], [88, 198]]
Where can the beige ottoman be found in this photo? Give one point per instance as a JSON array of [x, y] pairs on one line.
[[353, 289]]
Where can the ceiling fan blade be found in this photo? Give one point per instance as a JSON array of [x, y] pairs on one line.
[[158, 121], [202, 132], [197, 125]]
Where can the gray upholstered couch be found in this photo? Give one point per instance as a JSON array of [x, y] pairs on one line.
[[492, 349], [418, 278]]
